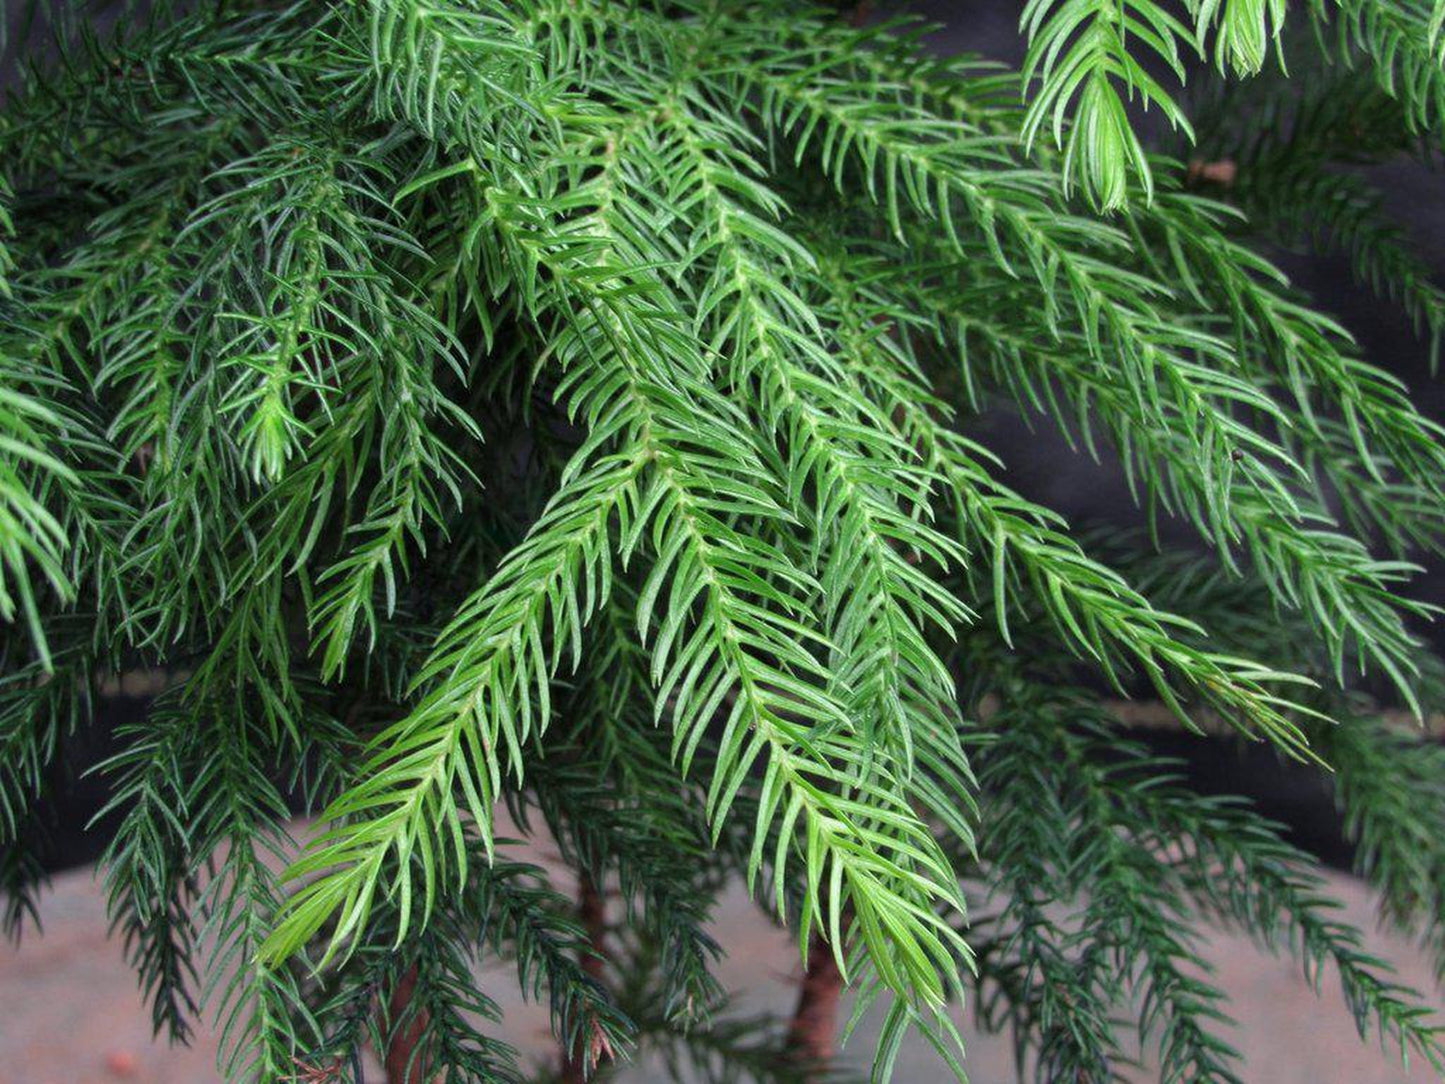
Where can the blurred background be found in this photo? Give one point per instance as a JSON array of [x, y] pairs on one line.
[[70, 1012]]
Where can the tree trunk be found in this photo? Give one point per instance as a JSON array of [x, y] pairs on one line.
[[813, 1031], [592, 914], [403, 1066]]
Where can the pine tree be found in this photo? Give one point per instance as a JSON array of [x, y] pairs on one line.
[[563, 404]]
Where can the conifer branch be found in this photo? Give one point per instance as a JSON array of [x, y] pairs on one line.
[[568, 404]]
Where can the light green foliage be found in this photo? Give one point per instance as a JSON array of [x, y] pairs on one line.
[[563, 405], [1091, 61]]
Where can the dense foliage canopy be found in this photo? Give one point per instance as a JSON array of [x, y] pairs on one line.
[[564, 403]]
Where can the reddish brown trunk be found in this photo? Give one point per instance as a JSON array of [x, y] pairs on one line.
[[403, 1065], [592, 914], [813, 1030]]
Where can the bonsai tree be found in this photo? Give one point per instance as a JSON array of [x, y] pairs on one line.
[[563, 405]]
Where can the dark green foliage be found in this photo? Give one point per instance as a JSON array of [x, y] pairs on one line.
[[564, 404], [1082, 815]]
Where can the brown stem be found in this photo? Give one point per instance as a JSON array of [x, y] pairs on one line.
[[592, 914], [814, 1027], [403, 1064]]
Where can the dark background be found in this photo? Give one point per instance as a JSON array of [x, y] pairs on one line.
[[1042, 466]]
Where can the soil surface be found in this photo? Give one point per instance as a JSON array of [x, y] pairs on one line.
[[70, 1012]]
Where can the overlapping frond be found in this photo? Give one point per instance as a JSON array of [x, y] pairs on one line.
[[33, 540], [878, 554], [724, 285], [1291, 175], [1140, 847], [1085, 56], [1402, 46], [616, 804], [191, 881], [1381, 773]]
